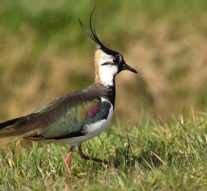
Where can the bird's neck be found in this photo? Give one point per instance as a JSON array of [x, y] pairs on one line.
[[111, 95], [105, 80], [107, 92]]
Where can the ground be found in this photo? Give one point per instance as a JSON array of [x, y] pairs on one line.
[[151, 155]]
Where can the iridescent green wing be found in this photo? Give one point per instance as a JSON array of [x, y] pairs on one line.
[[72, 122]]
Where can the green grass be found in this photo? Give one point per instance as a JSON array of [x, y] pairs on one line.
[[149, 156]]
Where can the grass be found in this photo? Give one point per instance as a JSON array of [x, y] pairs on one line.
[[149, 156]]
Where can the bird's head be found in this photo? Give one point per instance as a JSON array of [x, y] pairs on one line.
[[108, 63]]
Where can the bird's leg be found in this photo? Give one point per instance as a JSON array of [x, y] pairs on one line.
[[85, 157], [68, 160]]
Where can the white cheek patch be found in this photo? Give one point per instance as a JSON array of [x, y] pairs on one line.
[[107, 74], [106, 69], [106, 58]]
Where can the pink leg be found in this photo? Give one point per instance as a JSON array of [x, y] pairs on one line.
[[85, 157], [68, 160]]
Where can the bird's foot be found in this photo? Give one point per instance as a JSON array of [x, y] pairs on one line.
[[85, 157]]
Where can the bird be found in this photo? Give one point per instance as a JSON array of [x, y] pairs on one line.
[[75, 117]]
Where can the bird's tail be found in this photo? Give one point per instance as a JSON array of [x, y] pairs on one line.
[[8, 123], [11, 127]]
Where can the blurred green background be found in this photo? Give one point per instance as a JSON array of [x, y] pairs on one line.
[[45, 54]]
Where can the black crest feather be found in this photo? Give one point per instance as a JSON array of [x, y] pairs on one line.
[[92, 32], [93, 35]]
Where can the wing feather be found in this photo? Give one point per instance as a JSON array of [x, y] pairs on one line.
[[64, 117]]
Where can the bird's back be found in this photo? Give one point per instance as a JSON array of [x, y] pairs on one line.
[[64, 117]]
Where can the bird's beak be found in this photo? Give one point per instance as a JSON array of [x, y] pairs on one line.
[[127, 67]]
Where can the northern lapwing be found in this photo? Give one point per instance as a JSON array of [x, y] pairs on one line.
[[77, 117]]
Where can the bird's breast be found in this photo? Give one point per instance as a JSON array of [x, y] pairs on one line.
[[97, 127]]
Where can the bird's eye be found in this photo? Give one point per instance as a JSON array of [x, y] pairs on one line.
[[117, 59]]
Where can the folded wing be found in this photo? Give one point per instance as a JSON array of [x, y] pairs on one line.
[[64, 118]]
